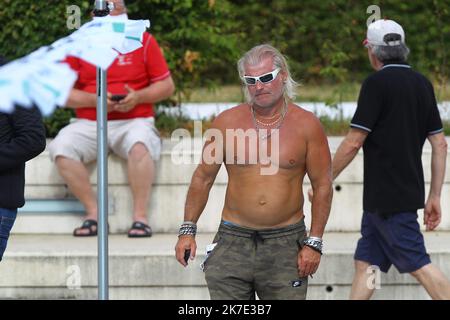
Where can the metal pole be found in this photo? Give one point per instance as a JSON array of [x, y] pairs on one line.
[[102, 176]]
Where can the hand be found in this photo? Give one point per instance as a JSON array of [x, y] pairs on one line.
[[129, 102], [310, 195], [308, 261], [184, 243], [110, 103], [432, 213]]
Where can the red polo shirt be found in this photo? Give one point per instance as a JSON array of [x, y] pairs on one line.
[[138, 69]]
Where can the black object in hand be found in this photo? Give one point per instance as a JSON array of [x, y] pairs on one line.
[[187, 254], [118, 97]]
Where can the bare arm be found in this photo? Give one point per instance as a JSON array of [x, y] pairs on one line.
[[318, 166], [206, 172], [196, 200], [438, 161], [153, 93], [81, 99], [347, 150], [432, 214], [198, 192], [157, 91]]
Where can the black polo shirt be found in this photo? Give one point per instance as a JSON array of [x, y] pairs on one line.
[[397, 106]]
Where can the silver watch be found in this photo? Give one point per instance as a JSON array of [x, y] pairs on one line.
[[314, 243]]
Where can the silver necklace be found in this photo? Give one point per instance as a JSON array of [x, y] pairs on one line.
[[255, 122]]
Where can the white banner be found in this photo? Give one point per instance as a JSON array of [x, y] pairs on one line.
[[41, 79]]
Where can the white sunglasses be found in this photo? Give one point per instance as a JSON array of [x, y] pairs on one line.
[[111, 5], [264, 78]]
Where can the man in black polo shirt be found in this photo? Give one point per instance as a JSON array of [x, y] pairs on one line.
[[22, 137], [396, 112]]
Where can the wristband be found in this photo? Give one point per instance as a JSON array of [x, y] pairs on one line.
[[188, 228], [314, 243]]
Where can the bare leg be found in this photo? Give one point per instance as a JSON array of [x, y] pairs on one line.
[[76, 176], [434, 281], [141, 171], [360, 287]]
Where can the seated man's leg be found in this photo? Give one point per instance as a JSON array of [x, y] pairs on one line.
[[137, 141], [75, 144], [141, 170]]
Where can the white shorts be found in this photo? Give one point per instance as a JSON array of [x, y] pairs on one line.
[[78, 140]]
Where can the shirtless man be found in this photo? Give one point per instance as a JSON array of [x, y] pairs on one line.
[[261, 246]]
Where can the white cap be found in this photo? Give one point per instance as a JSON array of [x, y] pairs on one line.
[[385, 33]]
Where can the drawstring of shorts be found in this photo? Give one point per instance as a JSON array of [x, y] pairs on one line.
[[255, 237]]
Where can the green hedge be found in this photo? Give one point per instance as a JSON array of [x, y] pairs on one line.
[[202, 39], [196, 36], [323, 38]]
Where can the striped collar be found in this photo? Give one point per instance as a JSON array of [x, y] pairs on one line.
[[396, 65]]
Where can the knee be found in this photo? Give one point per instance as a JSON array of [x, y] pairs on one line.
[[64, 163], [60, 151], [361, 266], [418, 274], [61, 161], [138, 151]]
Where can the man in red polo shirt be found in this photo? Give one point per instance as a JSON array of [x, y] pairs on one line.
[[143, 78]]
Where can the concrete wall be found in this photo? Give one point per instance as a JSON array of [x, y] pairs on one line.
[[169, 192], [64, 267]]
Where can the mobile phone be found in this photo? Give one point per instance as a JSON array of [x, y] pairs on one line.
[[187, 254], [118, 97]]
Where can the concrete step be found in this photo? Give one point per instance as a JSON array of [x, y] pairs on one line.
[[64, 267], [165, 212]]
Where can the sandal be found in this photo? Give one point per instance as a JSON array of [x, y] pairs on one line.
[[87, 225], [142, 227]]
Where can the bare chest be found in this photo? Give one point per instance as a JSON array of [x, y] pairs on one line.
[[280, 147]]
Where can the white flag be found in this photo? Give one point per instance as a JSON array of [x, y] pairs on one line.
[[41, 79]]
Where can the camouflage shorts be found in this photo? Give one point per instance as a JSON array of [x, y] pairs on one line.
[[247, 261]]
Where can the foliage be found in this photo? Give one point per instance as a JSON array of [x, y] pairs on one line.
[[28, 25], [168, 122], [195, 37], [446, 125], [59, 119], [202, 39], [323, 39]]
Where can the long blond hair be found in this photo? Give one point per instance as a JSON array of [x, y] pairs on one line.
[[255, 56]]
